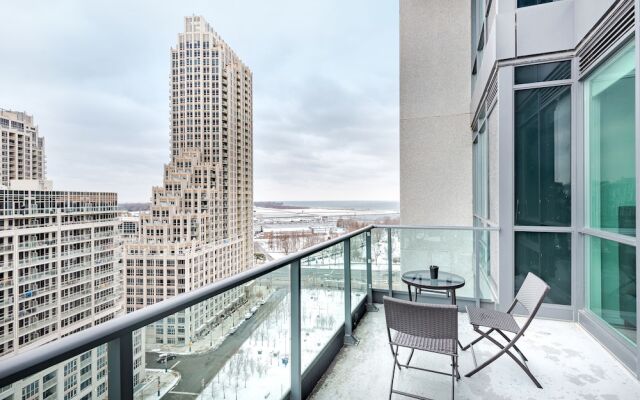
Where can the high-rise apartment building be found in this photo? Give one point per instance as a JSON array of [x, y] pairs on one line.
[[22, 154], [199, 227], [59, 274], [60, 269]]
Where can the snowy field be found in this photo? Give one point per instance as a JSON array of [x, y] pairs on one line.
[[260, 369], [306, 213]]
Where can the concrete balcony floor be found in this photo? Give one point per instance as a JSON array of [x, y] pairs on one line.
[[566, 360]]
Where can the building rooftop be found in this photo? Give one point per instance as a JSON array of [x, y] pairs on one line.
[[567, 361]]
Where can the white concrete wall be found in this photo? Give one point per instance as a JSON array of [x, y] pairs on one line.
[[435, 134]]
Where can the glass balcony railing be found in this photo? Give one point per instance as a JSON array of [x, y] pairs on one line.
[[269, 332]]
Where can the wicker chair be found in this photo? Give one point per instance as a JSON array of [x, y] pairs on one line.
[[530, 296], [427, 327]]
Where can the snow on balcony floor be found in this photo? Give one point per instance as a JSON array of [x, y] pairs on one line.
[[566, 360]]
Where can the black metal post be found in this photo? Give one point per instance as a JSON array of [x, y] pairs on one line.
[[349, 338], [390, 261], [296, 330], [370, 305], [120, 367]]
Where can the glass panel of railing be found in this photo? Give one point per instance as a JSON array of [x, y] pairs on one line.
[[322, 294], [452, 250], [380, 256], [236, 345], [358, 269], [83, 376], [487, 258]]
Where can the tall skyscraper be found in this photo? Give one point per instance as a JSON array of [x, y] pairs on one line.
[[60, 269], [22, 155], [199, 227]]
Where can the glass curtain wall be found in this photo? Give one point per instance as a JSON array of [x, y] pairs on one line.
[[609, 96], [542, 182]]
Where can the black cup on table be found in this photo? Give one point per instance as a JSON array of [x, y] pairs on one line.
[[433, 269]]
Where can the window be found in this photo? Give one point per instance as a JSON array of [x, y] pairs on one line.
[[480, 174], [611, 293], [30, 390], [527, 3], [553, 71], [548, 255], [543, 156], [610, 136], [610, 191]]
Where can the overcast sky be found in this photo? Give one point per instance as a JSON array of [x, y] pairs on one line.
[[95, 75]]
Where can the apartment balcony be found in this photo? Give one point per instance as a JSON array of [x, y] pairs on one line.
[[37, 276], [304, 312], [105, 272], [5, 319], [36, 309], [37, 244], [76, 252], [104, 234], [36, 260], [5, 302], [75, 296], [37, 324], [75, 310], [75, 239], [111, 296], [64, 210], [6, 266], [557, 353], [75, 267], [37, 292], [5, 337]]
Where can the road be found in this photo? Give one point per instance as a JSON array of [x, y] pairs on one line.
[[194, 368], [259, 248]]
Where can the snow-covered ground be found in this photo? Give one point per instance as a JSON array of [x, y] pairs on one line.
[[308, 213], [260, 369]]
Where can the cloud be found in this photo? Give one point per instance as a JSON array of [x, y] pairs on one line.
[[95, 77]]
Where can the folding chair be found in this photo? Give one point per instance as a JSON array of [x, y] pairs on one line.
[[530, 296], [426, 327]]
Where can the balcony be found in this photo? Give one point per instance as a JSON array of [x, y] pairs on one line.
[[557, 357], [294, 323]]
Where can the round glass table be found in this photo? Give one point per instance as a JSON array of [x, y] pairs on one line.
[[421, 281]]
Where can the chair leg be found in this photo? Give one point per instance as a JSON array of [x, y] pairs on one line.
[[393, 373], [395, 355], [514, 346], [410, 355], [457, 371], [504, 350], [453, 377], [465, 348]]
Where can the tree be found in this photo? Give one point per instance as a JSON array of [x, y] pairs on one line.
[[286, 242]]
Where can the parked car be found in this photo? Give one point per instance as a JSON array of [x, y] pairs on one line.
[[164, 357], [248, 315]]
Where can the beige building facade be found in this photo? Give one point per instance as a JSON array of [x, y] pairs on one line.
[[22, 155], [435, 91], [199, 227], [59, 274]]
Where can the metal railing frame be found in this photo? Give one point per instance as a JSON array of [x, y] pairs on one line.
[[117, 333]]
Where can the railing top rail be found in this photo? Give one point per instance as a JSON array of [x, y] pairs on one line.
[[438, 227], [23, 365]]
